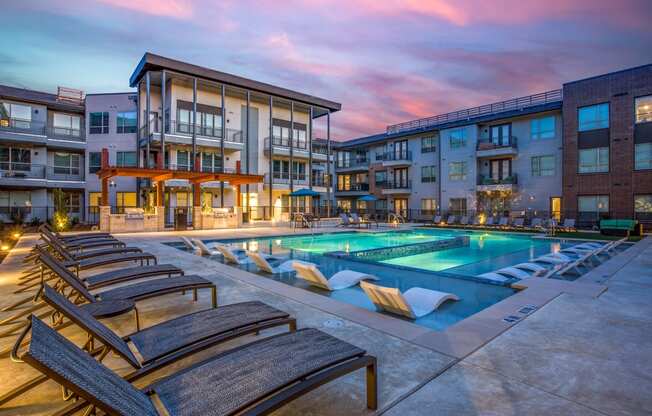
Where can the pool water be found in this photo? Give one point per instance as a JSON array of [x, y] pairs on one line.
[[452, 270]]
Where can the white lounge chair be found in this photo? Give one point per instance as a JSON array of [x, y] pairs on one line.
[[514, 272], [340, 280], [203, 249], [277, 265], [573, 266], [494, 277], [436, 219], [231, 256], [553, 258], [189, 245], [533, 268], [414, 303]]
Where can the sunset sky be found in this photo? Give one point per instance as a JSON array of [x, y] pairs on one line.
[[386, 61]]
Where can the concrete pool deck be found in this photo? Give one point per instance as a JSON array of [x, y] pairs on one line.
[[584, 350]]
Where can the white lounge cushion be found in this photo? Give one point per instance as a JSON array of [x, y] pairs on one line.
[[414, 303], [531, 267], [189, 245], [340, 280], [203, 249], [493, 276], [271, 264], [514, 272]]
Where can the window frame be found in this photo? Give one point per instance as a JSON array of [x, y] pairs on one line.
[[432, 177], [457, 177], [120, 158], [538, 172], [539, 133], [430, 148], [103, 127], [122, 128], [594, 122], [648, 114], [597, 165], [649, 161], [457, 142]]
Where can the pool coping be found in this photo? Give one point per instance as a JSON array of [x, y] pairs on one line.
[[456, 341]]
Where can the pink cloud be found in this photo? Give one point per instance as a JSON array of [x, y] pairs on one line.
[[180, 9]]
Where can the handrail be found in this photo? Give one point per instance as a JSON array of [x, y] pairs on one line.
[[487, 109]]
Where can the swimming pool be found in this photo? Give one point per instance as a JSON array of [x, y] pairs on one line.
[[452, 270]]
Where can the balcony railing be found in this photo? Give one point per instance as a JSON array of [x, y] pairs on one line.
[[490, 144], [40, 128], [319, 180], [354, 187], [406, 184], [284, 178], [352, 163], [19, 170], [508, 180], [285, 143], [495, 108], [394, 156], [322, 150], [186, 129]]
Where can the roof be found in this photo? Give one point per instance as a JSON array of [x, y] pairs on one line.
[[38, 97], [152, 62], [381, 137], [636, 68]]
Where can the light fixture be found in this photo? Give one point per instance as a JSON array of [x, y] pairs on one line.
[[4, 247], [16, 235]]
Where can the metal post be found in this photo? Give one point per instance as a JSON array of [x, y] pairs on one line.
[[328, 162], [271, 155], [247, 144], [147, 110], [310, 149], [291, 153], [194, 123], [138, 133], [223, 93], [163, 82]]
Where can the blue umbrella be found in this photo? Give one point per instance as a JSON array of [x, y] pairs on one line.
[[304, 192], [368, 198]]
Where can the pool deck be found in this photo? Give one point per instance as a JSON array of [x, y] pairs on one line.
[[585, 350]]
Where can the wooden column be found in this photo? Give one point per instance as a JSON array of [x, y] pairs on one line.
[[105, 192], [160, 189]]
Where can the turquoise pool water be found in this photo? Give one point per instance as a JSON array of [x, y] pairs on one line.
[[453, 270]]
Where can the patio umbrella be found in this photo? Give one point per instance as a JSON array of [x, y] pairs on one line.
[[305, 192], [367, 198]]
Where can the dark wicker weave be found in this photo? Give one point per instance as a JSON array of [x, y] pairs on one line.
[[155, 342], [116, 258], [155, 287], [87, 254], [266, 374], [65, 363], [123, 275]]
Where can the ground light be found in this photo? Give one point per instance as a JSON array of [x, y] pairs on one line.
[[4, 247], [16, 235]]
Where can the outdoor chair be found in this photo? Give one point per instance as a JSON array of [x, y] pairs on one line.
[[436, 220], [568, 225], [257, 378], [518, 223], [104, 260], [414, 303], [165, 343], [340, 280], [79, 236], [464, 221], [451, 220], [271, 264]]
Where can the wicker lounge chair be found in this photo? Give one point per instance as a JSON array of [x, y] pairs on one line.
[[257, 378], [168, 342], [80, 236], [414, 303], [340, 280], [92, 262]]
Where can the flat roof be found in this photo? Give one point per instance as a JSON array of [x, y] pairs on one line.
[[39, 97], [152, 62], [608, 74]]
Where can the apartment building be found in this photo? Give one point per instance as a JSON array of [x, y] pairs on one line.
[[500, 157], [608, 146], [195, 118], [42, 147]]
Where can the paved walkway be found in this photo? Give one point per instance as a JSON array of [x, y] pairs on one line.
[[577, 355]]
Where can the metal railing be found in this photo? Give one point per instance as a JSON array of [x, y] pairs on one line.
[[186, 129], [284, 142], [59, 173], [319, 180], [42, 129], [354, 187], [488, 180], [394, 156], [351, 163], [19, 170], [66, 133], [490, 144], [284, 178], [487, 109], [406, 184]]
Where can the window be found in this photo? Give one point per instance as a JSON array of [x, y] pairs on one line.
[[209, 121], [593, 117], [125, 199], [457, 171], [299, 171], [594, 160], [19, 114], [381, 177], [457, 206], [94, 199], [211, 162], [183, 160], [126, 159], [643, 109], [593, 203], [543, 166], [99, 123], [66, 125], [126, 122], [457, 138], [381, 205], [66, 163], [428, 144], [182, 199], [428, 174], [72, 201], [643, 207], [428, 206], [343, 182], [542, 128], [94, 161], [281, 169], [343, 159], [15, 158], [643, 156], [344, 204]]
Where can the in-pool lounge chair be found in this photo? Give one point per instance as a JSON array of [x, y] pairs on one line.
[[271, 264], [203, 249], [237, 256], [493, 276], [414, 303], [253, 379], [514, 272], [340, 280], [157, 346], [189, 244]]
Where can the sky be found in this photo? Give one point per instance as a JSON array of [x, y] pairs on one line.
[[386, 61]]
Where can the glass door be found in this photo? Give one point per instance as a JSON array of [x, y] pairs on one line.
[[555, 208]]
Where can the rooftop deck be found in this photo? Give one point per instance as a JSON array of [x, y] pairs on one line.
[[583, 351]]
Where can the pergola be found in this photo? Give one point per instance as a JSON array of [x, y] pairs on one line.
[[161, 175]]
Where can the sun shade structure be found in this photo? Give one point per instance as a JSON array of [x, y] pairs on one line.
[[368, 198], [305, 192]]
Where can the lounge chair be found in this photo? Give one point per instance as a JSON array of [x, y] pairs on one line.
[[536, 223], [80, 254], [573, 265], [493, 276], [489, 222], [414, 303], [514, 272], [258, 377], [81, 243], [189, 245], [271, 264], [518, 223], [475, 221], [79, 236], [345, 220], [340, 280], [436, 220], [104, 260], [202, 249], [533, 268], [464, 221], [451, 220], [504, 222], [568, 225], [237, 256], [166, 343], [553, 259]]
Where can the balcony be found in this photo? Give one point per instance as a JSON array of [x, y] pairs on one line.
[[15, 125], [181, 132], [30, 174], [65, 133], [38, 131], [394, 158], [283, 178], [67, 174], [506, 146], [319, 180], [353, 189], [352, 164], [396, 187], [488, 184]]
